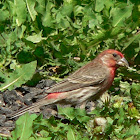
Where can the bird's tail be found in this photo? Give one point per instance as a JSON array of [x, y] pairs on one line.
[[44, 101]]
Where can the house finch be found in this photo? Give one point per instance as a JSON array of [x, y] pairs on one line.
[[87, 83]]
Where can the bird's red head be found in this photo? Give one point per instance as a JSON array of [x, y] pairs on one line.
[[113, 58]]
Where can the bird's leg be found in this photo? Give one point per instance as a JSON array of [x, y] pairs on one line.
[[83, 105]]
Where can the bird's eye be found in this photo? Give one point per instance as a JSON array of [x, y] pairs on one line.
[[114, 54]]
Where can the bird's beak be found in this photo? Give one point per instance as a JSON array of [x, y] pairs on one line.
[[123, 62]]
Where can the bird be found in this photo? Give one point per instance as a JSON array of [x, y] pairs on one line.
[[86, 84]]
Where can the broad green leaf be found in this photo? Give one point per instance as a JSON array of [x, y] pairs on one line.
[[64, 23], [93, 23], [21, 31], [21, 11], [122, 116], [80, 115], [78, 10], [71, 135], [95, 112], [133, 130], [135, 95], [47, 19], [89, 14], [109, 120], [31, 138], [19, 76], [131, 40], [68, 112], [120, 15], [125, 87], [24, 127], [83, 119], [36, 38], [67, 9], [40, 8], [44, 133], [108, 4], [48, 138], [99, 5], [31, 8], [3, 15]]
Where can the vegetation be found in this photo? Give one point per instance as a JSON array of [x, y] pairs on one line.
[[56, 37]]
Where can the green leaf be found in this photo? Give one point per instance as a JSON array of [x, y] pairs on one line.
[[31, 138], [47, 19], [80, 114], [3, 14], [40, 7], [19, 76], [132, 131], [21, 11], [36, 38], [120, 15], [67, 9], [48, 138], [109, 120], [122, 115], [135, 95], [78, 10], [21, 31], [131, 40], [71, 135], [31, 8], [95, 112], [68, 112], [44, 133], [99, 5], [24, 127], [125, 87]]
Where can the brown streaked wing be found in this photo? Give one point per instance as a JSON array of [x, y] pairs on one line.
[[89, 75]]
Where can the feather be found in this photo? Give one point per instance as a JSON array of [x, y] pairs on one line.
[[83, 77]]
